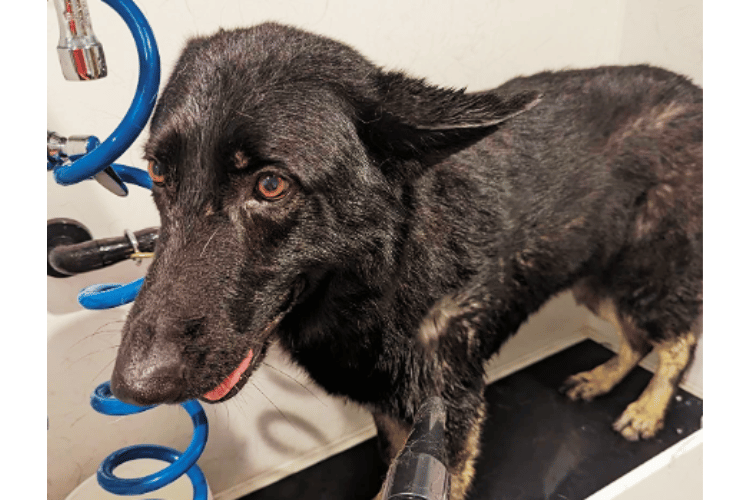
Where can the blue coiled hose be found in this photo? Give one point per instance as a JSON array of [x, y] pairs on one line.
[[104, 402], [106, 296]]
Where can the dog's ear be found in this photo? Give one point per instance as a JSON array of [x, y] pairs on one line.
[[413, 120]]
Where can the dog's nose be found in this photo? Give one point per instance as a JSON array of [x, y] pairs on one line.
[[153, 376]]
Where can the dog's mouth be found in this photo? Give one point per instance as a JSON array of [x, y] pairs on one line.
[[220, 391], [232, 384]]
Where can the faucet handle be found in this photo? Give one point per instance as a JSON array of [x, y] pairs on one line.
[[62, 151]]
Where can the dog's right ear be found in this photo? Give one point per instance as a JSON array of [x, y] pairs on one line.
[[413, 120]]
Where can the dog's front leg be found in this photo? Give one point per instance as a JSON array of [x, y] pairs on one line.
[[450, 364], [463, 449], [392, 435], [463, 431]]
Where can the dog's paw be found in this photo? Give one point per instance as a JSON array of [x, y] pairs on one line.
[[639, 421], [585, 386]]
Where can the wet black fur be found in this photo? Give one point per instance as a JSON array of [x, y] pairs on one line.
[[402, 194]]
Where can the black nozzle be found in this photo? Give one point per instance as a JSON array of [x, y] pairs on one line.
[[63, 232], [69, 256], [420, 471]]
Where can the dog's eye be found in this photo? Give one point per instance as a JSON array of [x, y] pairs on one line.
[[156, 171], [272, 187]]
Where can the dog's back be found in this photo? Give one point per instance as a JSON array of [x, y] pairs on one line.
[[599, 188], [604, 134], [617, 159], [617, 129], [601, 179]]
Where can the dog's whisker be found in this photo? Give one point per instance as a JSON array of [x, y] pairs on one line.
[[91, 336], [109, 323], [117, 419], [107, 330], [72, 424], [295, 381], [242, 403], [101, 329], [102, 370], [227, 414], [277, 408], [92, 353], [207, 242]]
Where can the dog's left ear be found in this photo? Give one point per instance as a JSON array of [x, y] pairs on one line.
[[413, 120]]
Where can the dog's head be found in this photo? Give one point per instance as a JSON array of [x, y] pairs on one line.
[[278, 157]]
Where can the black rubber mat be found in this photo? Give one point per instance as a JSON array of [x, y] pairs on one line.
[[536, 443]]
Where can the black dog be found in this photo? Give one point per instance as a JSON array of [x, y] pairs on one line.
[[391, 235]]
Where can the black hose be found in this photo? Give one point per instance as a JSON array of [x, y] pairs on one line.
[[420, 471], [97, 254]]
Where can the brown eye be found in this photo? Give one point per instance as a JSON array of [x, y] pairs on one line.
[[272, 187], [156, 171]]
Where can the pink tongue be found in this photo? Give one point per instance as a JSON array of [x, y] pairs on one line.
[[223, 389]]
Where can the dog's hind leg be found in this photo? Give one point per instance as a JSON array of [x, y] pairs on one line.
[[633, 347], [643, 418]]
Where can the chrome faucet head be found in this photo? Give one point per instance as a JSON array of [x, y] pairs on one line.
[[80, 53]]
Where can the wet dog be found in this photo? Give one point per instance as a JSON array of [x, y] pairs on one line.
[[390, 235]]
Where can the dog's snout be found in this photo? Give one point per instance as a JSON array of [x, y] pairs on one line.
[[150, 375], [164, 385]]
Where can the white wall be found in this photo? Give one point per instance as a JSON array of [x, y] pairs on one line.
[[477, 44]]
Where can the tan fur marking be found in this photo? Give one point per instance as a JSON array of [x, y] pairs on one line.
[[663, 115], [562, 231], [396, 432], [608, 312], [435, 322], [590, 384], [462, 477], [240, 160], [645, 417], [657, 118], [633, 347]]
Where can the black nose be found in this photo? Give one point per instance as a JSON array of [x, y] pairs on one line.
[[149, 376]]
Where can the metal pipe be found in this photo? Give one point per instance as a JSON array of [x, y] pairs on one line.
[[80, 53]]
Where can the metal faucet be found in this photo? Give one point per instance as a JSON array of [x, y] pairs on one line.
[[81, 55], [62, 150], [81, 58]]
